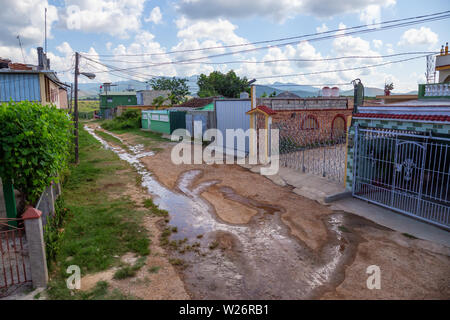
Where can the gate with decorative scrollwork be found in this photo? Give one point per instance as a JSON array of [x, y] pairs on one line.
[[404, 171]]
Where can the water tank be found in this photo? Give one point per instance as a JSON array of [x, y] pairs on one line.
[[335, 92], [243, 95], [326, 92]]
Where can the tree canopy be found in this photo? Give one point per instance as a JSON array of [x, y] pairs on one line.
[[217, 83], [178, 88]]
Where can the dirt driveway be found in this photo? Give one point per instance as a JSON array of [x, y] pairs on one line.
[[240, 236]]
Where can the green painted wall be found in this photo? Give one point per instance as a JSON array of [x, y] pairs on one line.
[[118, 100]]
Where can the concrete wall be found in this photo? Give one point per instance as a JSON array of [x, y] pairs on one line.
[[278, 104], [146, 97]]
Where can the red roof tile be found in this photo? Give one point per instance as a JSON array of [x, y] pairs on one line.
[[441, 118]]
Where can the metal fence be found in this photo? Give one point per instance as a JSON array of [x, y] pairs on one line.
[[312, 146], [403, 171], [14, 260]]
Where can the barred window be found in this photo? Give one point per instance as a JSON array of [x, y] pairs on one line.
[[310, 123]]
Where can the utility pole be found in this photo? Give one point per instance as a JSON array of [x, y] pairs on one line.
[[75, 106]]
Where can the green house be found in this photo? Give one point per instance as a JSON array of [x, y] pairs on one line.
[[111, 100], [163, 121]]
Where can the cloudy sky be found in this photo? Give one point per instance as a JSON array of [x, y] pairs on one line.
[[121, 29]]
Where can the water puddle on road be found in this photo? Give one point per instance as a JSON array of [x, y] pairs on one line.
[[257, 260]]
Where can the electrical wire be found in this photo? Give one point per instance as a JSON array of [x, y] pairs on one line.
[[432, 16], [340, 70], [266, 47]]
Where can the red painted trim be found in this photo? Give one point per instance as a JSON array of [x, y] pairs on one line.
[[443, 118], [32, 213]]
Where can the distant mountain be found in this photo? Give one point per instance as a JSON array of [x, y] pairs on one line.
[[91, 90]]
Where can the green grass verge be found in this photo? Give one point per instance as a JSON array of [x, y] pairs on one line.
[[97, 227], [109, 138]]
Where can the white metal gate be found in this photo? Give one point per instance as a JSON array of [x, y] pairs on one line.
[[404, 171]]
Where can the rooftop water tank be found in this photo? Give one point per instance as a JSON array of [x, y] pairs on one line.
[[326, 92], [335, 92]]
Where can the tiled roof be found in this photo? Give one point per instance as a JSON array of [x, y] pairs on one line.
[[417, 117], [264, 109], [196, 102]]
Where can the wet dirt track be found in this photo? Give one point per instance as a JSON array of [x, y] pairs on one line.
[[260, 259]]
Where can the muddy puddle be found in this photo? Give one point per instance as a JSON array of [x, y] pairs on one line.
[[257, 260]]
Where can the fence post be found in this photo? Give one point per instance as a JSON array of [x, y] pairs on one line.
[[36, 246], [10, 201]]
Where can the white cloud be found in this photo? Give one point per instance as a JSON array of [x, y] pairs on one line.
[[25, 18], [279, 10], [155, 16], [114, 17], [371, 14], [422, 36], [377, 43], [322, 28]]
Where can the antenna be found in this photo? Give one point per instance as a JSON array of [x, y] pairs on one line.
[[21, 49], [45, 46]]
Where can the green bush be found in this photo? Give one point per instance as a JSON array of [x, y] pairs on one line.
[[130, 119], [35, 144]]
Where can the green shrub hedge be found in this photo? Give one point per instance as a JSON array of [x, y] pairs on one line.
[[130, 119], [35, 145]]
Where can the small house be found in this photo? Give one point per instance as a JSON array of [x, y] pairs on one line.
[[109, 101], [20, 82], [163, 121]]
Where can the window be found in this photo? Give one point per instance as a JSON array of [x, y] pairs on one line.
[[109, 100], [310, 123], [129, 99]]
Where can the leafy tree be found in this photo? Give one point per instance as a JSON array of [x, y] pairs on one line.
[[178, 88], [158, 102], [273, 94], [228, 85], [264, 95]]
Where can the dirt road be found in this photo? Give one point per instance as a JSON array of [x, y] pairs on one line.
[[243, 237]]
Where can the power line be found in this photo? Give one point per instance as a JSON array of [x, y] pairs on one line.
[[280, 45], [294, 59], [340, 70], [424, 17]]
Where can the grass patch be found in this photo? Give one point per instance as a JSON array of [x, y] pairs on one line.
[[148, 203], [129, 271], [154, 269], [149, 139], [97, 228], [109, 138], [101, 291]]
